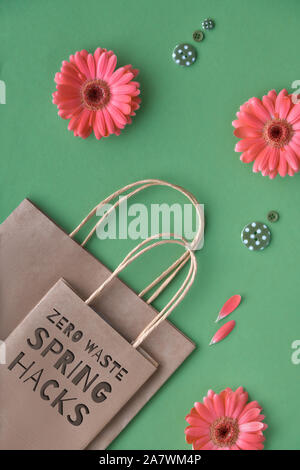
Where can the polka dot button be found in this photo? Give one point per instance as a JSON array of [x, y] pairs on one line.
[[256, 236], [208, 23], [184, 54], [198, 35]]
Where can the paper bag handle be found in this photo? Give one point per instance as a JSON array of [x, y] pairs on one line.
[[178, 296], [141, 185]]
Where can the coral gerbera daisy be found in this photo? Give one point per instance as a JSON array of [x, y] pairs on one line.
[[270, 133], [226, 421], [95, 96]]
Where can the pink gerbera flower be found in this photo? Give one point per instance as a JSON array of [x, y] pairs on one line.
[[95, 96], [270, 133], [226, 421]]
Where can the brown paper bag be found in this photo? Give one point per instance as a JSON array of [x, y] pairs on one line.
[[35, 253], [62, 385], [65, 361]]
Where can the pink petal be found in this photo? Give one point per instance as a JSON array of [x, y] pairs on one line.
[[92, 66], [296, 125], [209, 446], [243, 132], [203, 412], [124, 89], [255, 149], [284, 107], [296, 148], [82, 65], [238, 123], [74, 121], [269, 105], [208, 402], [223, 332], [229, 306], [261, 160], [100, 122], [259, 110], [255, 437], [197, 421], [234, 447], [116, 76], [247, 446], [272, 95], [273, 174], [84, 53], [66, 90], [260, 418], [219, 405], [83, 125], [117, 116], [250, 415], [273, 159], [98, 53], [69, 80], [282, 94], [251, 120], [294, 114], [195, 431], [124, 79], [251, 405], [251, 427], [122, 99], [247, 157], [199, 443], [67, 102], [245, 144], [282, 167], [230, 404], [210, 394], [112, 62], [243, 398], [102, 64], [108, 121], [123, 107], [291, 158]]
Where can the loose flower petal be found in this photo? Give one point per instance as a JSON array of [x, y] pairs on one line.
[[223, 332], [229, 306]]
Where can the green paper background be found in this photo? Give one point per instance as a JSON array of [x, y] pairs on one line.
[[183, 134]]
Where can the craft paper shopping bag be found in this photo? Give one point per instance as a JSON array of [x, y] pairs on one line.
[[61, 385], [35, 253], [68, 372]]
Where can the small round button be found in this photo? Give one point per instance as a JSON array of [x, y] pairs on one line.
[[273, 216], [198, 35], [184, 54], [208, 23], [256, 236]]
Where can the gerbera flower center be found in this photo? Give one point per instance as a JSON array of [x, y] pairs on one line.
[[95, 94], [224, 431], [277, 133]]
